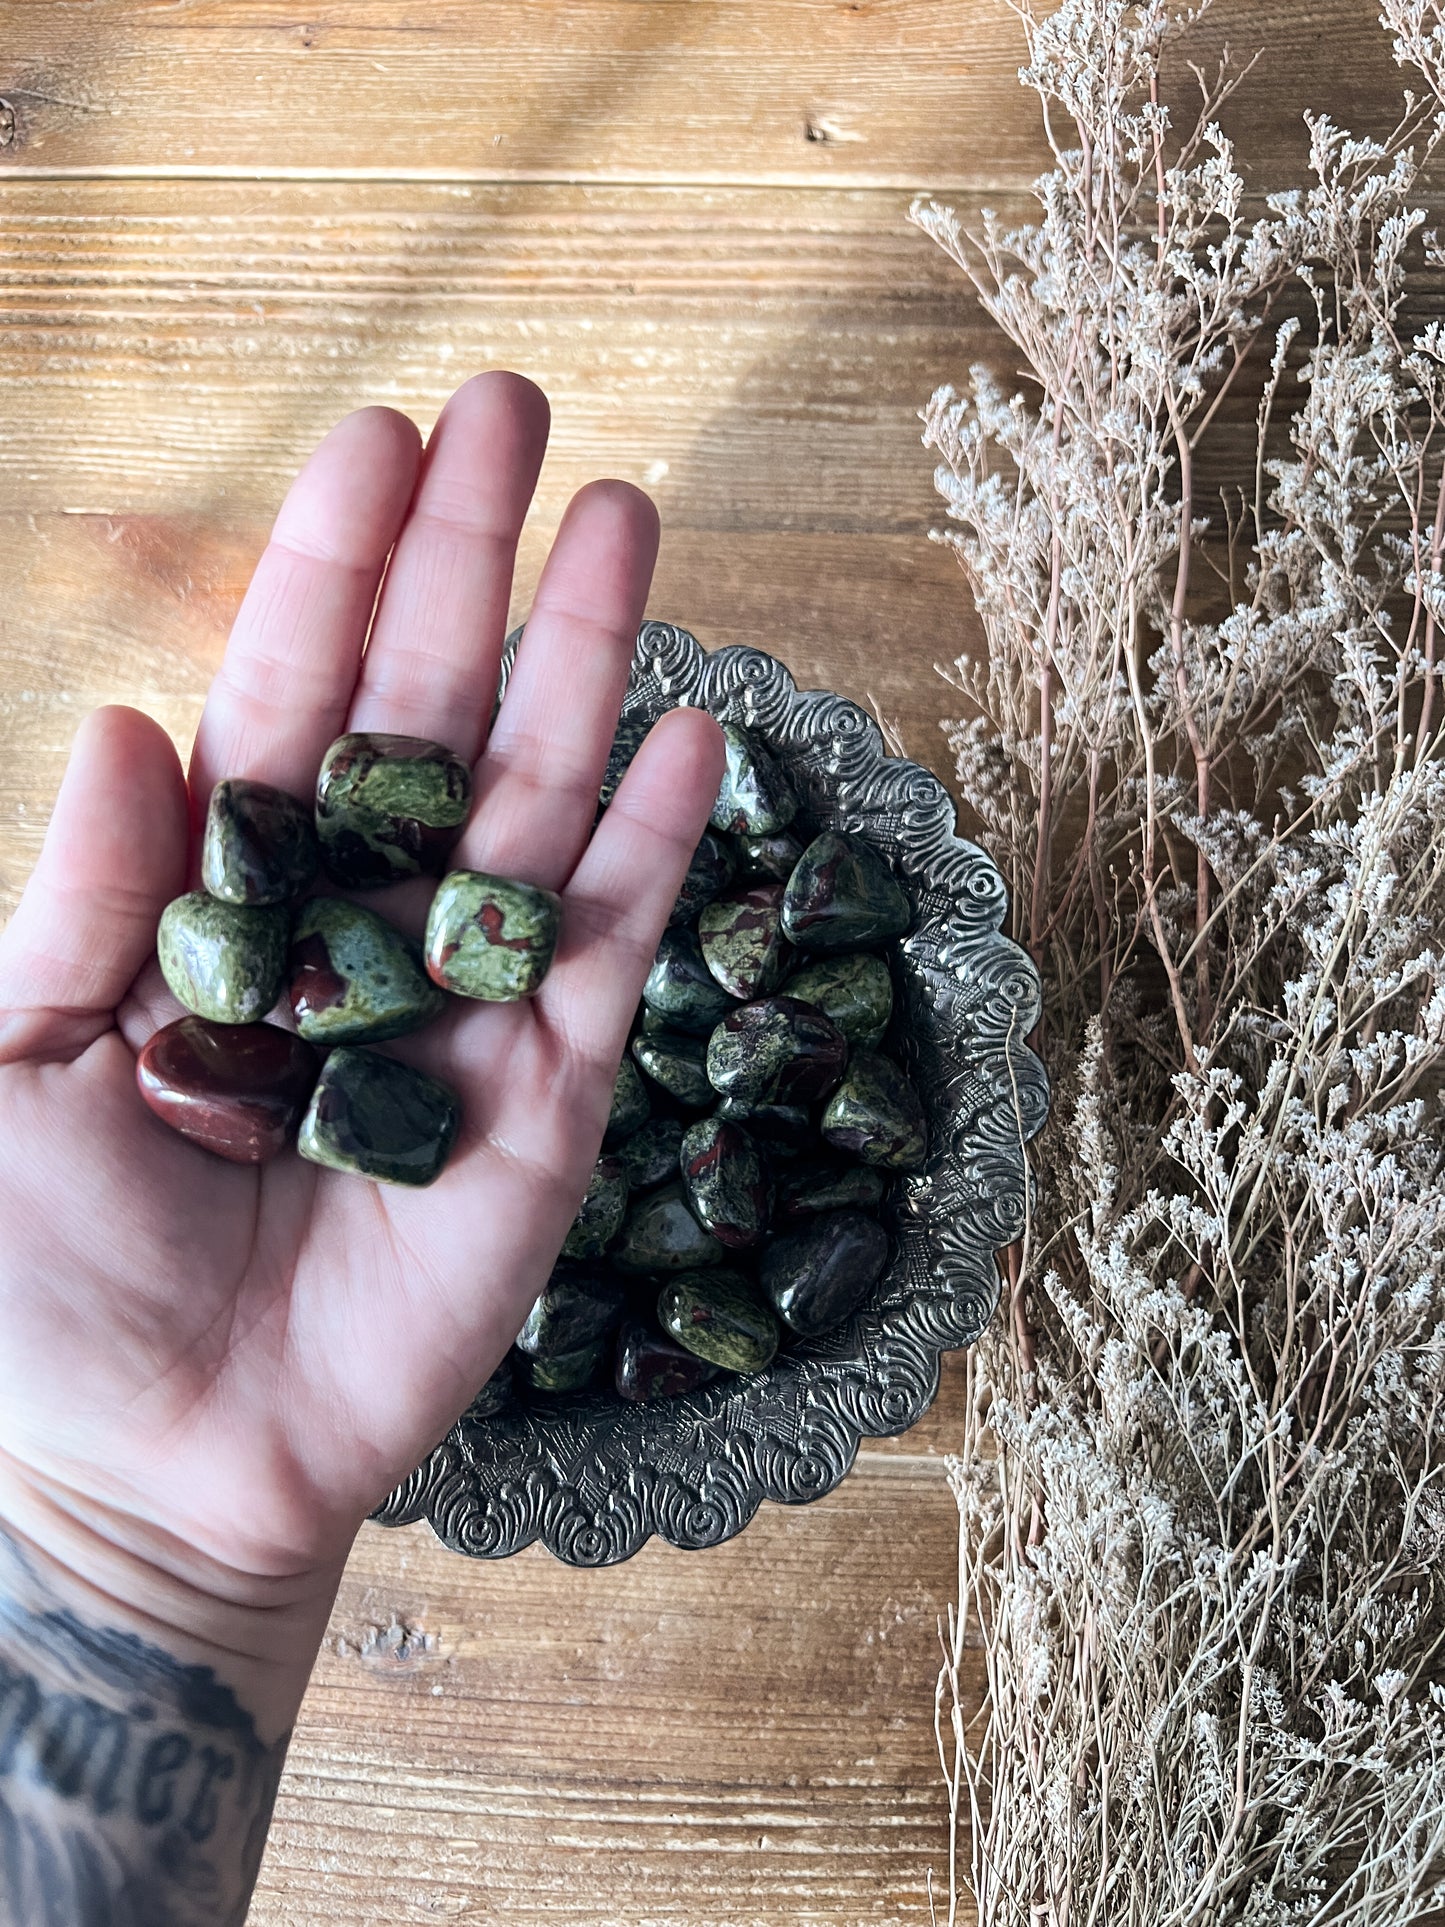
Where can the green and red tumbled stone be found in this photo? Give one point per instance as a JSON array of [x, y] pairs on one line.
[[223, 961], [354, 978], [388, 807], [755, 797], [661, 1233], [600, 1214], [740, 934], [877, 1116], [776, 1051], [259, 844], [854, 988], [650, 1366], [817, 1276], [719, 1315], [843, 896], [725, 1182], [376, 1118], [491, 937], [680, 989]]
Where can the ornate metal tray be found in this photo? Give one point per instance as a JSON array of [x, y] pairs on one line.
[[592, 1477]]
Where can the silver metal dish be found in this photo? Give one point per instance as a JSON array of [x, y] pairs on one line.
[[593, 1477]]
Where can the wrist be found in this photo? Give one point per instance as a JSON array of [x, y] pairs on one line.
[[66, 1552]]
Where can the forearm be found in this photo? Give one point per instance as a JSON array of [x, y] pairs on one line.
[[144, 1723]]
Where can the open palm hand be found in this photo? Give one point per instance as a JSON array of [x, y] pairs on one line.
[[245, 1359]]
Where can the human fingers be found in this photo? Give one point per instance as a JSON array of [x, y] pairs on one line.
[[537, 783], [285, 683], [114, 854], [430, 667], [621, 893]]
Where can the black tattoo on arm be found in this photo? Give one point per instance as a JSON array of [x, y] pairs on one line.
[[134, 1789]]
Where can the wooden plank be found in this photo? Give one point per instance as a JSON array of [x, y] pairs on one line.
[[908, 92], [741, 1738]]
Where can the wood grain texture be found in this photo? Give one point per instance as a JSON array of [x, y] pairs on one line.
[[224, 222]]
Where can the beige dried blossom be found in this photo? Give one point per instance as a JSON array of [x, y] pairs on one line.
[[1202, 1481]]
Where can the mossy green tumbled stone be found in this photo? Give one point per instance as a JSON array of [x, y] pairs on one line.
[[650, 1155], [855, 989], [354, 978], [563, 1371], [661, 1234], [388, 807], [677, 1064], [783, 1131], [259, 844], [225, 961], [710, 871], [578, 1305], [599, 1216], [718, 1315], [755, 797], [725, 1182], [378, 1119], [843, 896], [491, 937], [776, 1051], [774, 855], [681, 989], [741, 937], [876, 1115], [631, 1107]]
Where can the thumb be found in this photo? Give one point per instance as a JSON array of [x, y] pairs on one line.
[[114, 855]]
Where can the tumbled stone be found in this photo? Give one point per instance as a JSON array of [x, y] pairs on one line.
[[774, 855], [491, 937], [259, 844], [843, 896], [650, 1156], [354, 978], [812, 1188], [719, 1315], [388, 807], [776, 1051], [238, 1089], [855, 989], [578, 1305], [781, 1130], [631, 1106], [876, 1115], [710, 871], [725, 1182], [376, 1118], [631, 735], [225, 961], [495, 1396], [756, 797], [600, 1214], [650, 1366], [661, 1234], [681, 988], [564, 1371], [741, 937], [817, 1276], [676, 1064]]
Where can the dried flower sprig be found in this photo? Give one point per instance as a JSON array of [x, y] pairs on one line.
[[1202, 1481]]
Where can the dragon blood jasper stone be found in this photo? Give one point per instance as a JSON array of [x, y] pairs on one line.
[[814, 1187], [817, 1276], [354, 978], [776, 1051], [650, 1366], [876, 1115], [259, 844], [563, 1371], [718, 1315], [843, 896], [225, 961], [631, 1106], [600, 1214], [741, 937], [650, 1156], [376, 1118], [782, 1130], [677, 1064], [710, 872], [661, 1234], [490, 937], [681, 989], [578, 1305], [238, 1089], [855, 989], [756, 797], [726, 1185], [774, 855], [388, 807]]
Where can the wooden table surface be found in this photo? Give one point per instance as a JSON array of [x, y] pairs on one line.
[[222, 224]]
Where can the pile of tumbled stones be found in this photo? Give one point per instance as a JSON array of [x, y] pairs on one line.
[[755, 1124], [386, 808]]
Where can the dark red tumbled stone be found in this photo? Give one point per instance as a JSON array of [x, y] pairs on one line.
[[237, 1089]]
